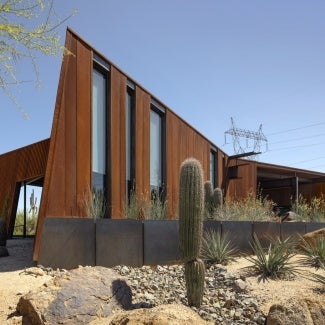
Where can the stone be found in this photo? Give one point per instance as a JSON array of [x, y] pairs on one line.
[[312, 236], [161, 315], [240, 285], [78, 297], [296, 311]]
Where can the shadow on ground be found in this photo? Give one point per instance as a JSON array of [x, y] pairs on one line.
[[20, 255]]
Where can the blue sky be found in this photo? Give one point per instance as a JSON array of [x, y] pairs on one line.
[[260, 62]]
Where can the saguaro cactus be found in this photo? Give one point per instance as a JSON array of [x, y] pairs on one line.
[[190, 228], [213, 199]]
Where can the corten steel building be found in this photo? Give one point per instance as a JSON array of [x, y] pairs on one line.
[[110, 133]]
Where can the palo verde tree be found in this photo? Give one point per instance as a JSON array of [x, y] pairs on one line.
[[27, 28]]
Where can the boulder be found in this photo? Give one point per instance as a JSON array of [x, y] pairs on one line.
[[312, 237], [161, 315], [296, 311], [77, 297]]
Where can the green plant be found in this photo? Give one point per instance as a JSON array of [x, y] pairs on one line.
[[95, 203], [213, 200], [31, 222], [190, 228], [317, 278], [140, 207], [312, 210], [251, 208], [217, 248], [275, 261], [313, 252]]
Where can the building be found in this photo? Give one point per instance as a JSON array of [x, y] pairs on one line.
[[111, 134]]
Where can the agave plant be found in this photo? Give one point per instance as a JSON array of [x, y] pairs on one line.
[[217, 248], [313, 252], [275, 261], [317, 278]]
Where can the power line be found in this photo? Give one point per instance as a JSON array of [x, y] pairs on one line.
[[316, 166], [295, 129], [296, 139], [296, 147], [304, 161]]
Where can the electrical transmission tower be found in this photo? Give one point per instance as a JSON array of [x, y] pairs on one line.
[[237, 134]]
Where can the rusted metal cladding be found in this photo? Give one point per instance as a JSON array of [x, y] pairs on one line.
[[239, 183], [68, 172], [182, 142], [118, 142], [24, 164]]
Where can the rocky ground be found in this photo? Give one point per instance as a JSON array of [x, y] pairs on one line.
[[225, 300], [232, 295]]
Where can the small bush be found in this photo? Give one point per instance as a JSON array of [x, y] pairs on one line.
[[314, 210], [140, 207], [275, 261], [313, 252], [95, 203], [252, 208], [217, 248]]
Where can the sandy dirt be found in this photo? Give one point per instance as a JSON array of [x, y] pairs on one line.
[[15, 281], [271, 291]]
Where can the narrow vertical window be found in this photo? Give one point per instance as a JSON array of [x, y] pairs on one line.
[[99, 127], [130, 141], [213, 168], [157, 151]]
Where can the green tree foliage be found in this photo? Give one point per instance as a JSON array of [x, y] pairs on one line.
[[27, 28], [31, 222]]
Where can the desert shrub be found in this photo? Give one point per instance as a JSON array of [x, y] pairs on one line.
[[313, 252], [217, 248], [313, 210], [275, 261], [95, 203], [252, 208], [139, 206]]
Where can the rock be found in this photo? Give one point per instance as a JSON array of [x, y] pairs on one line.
[[3, 251], [160, 315], [240, 285], [34, 271], [295, 311], [313, 236], [289, 216], [78, 297]]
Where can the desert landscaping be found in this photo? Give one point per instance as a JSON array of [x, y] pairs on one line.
[[232, 295]]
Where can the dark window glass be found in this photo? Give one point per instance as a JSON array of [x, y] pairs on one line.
[[157, 152], [214, 168], [130, 140], [99, 129]]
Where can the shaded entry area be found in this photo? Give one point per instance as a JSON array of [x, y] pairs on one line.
[[284, 185], [24, 216]]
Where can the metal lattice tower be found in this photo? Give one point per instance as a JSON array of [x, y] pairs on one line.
[[238, 133]]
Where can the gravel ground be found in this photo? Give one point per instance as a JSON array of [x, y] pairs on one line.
[[232, 295]]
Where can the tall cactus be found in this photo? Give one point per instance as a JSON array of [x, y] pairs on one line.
[[213, 200], [190, 228]]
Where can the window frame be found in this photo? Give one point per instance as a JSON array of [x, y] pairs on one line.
[[160, 111], [104, 68], [131, 183]]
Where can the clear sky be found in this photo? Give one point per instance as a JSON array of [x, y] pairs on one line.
[[260, 62]]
